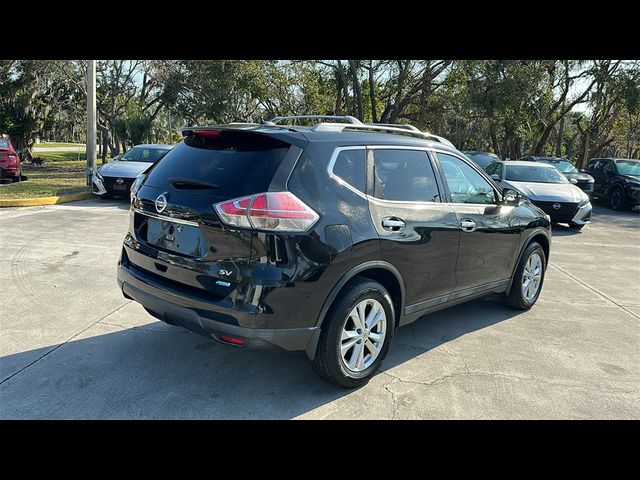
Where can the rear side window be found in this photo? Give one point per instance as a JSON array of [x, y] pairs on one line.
[[594, 165], [239, 163], [350, 167], [404, 175]]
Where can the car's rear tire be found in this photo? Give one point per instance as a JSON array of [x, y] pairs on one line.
[[528, 279], [577, 226], [616, 199], [356, 334]]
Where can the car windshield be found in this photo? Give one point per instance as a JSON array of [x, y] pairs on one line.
[[564, 166], [142, 154], [533, 173], [4, 144], [628, 167]]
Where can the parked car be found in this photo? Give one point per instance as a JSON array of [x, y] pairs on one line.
[[116, 177], [10, 167], [547, 188], [582, 180], [482, 159], [323, 238], [617, 180]]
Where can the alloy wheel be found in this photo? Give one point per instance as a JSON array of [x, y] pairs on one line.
[[363, 335], [531, 277]]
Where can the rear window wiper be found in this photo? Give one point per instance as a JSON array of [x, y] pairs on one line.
[[189, 183]]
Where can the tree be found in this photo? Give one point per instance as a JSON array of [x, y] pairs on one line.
[[30, 92]]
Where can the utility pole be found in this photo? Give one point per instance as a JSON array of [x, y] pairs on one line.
[[91, 120], [170, 132]]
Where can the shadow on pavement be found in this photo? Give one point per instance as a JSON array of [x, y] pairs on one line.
[[160, 371]]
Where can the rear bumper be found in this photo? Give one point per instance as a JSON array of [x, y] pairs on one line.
[[209, 319]]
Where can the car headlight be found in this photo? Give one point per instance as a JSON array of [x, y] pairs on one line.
[[137, 183], [583, 203], [98, 176]]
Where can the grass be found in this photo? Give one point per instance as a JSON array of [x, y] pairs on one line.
[[61, 174], [56, 145]]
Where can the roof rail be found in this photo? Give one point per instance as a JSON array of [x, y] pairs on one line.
[[412, 132], [345, 118], [399, 125]]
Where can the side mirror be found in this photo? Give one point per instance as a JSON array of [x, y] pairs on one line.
[[583, 170], [495, 177], [573, 181], [116, 157], [511, 198]]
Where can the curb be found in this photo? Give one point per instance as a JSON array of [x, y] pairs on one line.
[[35, 202]]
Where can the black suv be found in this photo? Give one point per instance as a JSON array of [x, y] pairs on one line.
[[617, 180], [323, 238]]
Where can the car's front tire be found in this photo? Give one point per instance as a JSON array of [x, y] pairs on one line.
[[528, 279], [356, 334], [616, 199]]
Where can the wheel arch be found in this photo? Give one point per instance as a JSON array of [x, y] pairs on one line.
[[539, 236], [380, 271]]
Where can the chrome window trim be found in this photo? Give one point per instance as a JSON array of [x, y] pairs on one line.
[[371, 198], [166, 218], [341, 181]]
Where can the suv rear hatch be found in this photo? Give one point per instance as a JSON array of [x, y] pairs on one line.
[[179, 236]]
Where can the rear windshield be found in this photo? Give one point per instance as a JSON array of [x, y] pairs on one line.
[[239, 163], [4, 144]]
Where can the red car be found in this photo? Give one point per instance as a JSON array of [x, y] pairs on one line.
[[9, 161]]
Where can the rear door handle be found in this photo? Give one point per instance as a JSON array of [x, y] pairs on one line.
[[468, 225], [394, 224]]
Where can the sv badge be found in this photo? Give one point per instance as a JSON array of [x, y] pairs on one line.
[[222, 271]]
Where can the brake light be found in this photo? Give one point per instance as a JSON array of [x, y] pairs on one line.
[[208, 133], [274, 211], [232, 340]]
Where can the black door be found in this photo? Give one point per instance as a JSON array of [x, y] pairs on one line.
[[490, 233], [595, 170], [418, 232], [608, 175]]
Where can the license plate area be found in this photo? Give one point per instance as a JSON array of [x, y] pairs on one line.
[[175, 237], [117, 186]]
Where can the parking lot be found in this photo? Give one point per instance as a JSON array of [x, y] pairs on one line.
[[73, 347]]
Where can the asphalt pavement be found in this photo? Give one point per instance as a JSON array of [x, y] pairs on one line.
[[73, 347]]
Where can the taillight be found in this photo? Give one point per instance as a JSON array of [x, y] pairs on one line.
[[275, 211]]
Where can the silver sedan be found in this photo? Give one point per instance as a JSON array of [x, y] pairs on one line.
[[546, 187]]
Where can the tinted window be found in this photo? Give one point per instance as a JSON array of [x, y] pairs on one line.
[[141, 154], [239, 163], [608, 167], [534, 173], [594, 165], [350, 167], [483, 159], [4, 144], [404, 175], [465, 184]]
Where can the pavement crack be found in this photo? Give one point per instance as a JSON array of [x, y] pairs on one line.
[[594, 290], [449, 376], [396, 404], [63, 343]]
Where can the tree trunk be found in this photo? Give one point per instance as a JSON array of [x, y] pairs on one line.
[[356, 88], [543, 141], [494, 140], [585, 152], [104, 133], [559, 138], [345, 88], [372, 94]]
